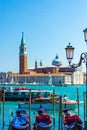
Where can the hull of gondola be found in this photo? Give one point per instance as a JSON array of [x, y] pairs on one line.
[[42, 126]]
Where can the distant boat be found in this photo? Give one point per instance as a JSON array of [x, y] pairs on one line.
[[71, 120], [43, 120], [20, 121]]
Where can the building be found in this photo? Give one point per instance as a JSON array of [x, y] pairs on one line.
[[55, 74], [50, 79], [3, 77], [76, 74]]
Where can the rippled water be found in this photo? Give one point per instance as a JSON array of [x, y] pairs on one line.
[[70, 91]]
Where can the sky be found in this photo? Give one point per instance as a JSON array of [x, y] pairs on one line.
[[48, 26]]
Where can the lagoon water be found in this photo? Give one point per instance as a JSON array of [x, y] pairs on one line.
[[70, 91]]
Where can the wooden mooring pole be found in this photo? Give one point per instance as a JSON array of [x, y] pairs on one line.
[[84, 107], [78, 102], [53, 109], [3, 98], [60, 114], [85, 112], [30, 108]]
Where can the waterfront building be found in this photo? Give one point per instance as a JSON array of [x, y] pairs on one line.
[[52, 79], [54, 74], [77, 76], [84, 78], [3, 77]]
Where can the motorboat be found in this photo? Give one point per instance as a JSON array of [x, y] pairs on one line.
[[50, 103]]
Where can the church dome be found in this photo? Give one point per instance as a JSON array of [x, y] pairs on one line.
[[56, 61]]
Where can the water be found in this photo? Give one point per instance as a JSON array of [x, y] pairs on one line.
[[70, 91]]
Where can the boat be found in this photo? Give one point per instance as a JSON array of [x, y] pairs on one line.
[[71, 120], [49, 103], [43, 120], [20, 121], [23, 93]]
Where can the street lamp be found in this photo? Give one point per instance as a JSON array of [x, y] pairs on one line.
[[69, 53], [83, 58], [85, 35]]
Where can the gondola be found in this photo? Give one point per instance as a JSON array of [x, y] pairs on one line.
[[20, 121], [43, 120], [71, 120]]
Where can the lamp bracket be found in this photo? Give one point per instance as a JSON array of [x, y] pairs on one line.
[[83, 57]]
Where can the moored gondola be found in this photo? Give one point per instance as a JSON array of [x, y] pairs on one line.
[[43, 120], [71, 120], [20, 121]]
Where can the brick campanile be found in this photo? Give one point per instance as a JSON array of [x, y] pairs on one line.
[[22, 56]]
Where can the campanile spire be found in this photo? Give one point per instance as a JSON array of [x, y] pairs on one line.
[[22, 39]]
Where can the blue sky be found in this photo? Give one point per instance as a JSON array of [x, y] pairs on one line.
[[48, 26]]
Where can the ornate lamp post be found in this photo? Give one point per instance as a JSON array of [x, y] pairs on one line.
[[83, 57], [69, 53]]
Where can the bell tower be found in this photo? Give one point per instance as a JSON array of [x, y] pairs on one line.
[[22, 56]]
